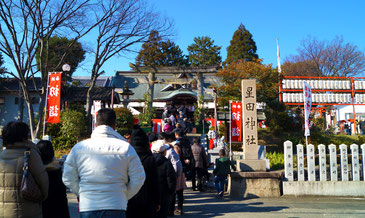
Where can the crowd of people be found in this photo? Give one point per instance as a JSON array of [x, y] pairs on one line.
[[177, 118], [112, 176]]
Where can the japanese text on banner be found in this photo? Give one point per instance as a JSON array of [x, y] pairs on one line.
[[236, 121], [54, 98], [307, 91]]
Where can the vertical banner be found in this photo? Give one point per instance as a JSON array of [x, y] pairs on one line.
[[54, 98], [307, 91], [236, 121]]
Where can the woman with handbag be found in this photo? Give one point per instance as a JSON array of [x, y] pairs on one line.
[[23, 178]]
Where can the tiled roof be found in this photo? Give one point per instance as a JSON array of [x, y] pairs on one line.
[[78, 94], [11, 84], [102, 81]]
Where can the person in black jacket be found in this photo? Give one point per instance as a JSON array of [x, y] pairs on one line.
[[56, 204], [186, 155], [166, 176], [147, 201]]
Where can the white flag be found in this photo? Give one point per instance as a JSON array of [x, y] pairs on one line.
[[307, 92], [278, 55]]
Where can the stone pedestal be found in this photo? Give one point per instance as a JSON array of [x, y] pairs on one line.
[[251, 165], [254, 184]]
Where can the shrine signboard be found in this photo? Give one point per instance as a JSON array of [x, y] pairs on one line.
[[249, 120]]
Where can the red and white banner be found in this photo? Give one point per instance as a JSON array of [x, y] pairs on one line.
[[54, 98], [157, 125], [236, 121], [307, 91]]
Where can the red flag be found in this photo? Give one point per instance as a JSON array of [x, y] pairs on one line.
[[54, 98], [236, 121]]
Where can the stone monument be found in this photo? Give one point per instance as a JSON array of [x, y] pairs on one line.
[[250, 160], [252, 180]]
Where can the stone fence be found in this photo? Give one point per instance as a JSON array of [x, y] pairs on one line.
[[327, 178]]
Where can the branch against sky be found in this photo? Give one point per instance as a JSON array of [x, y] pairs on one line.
[[126, 23], [26, 25], [329, 58]]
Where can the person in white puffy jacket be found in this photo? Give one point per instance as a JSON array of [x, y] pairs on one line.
[[104, 171]]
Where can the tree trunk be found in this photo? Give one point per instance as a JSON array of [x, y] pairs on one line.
[[89, 103], [41, 113], [20, 105], [30, 111]]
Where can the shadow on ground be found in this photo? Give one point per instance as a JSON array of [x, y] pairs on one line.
[[205, 204]]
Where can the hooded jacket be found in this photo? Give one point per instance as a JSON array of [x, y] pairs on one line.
[[148, 197], [222, 167], [105, 171], [11, 172]]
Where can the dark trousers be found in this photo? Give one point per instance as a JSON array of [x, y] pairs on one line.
[[180, 200], [197, 173], [103, 214]]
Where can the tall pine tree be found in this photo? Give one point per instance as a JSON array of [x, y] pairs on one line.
[[203, 52], [156, 52], [242, 46]]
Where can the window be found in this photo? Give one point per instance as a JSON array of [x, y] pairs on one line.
[[2, 100]]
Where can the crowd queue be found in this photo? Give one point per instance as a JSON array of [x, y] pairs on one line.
[[141, 176]]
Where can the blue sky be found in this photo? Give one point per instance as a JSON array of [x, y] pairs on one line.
[[290, 21]]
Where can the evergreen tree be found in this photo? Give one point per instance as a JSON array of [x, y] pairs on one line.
[[203, 52], [56, 48], [156, 52], [242, 46]]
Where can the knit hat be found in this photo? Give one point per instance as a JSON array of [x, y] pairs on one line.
[[139, 138], [159, 146]]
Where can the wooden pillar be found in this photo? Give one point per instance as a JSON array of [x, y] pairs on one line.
[[200, 85], [151, 86]]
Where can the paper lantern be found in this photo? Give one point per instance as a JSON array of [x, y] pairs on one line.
[[337, 97]]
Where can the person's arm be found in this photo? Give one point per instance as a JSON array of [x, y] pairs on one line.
[[38, 172], [171, 178], [232, 165], [217, 166], [71, 177], [205, 158], [136, 173]]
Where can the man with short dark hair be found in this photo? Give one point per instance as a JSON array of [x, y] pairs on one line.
[[104, 171]]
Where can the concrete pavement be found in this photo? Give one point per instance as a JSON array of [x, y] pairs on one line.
[[204, 204]]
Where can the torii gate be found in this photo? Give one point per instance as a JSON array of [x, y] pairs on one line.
[[173, 81]]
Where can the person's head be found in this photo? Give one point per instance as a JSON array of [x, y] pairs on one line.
[[159, 147], [168, 121], [139, 138], [162, 135], [152, 136], [196, 140], [222, 153], [178, 133], [15, 131], [178, 125], [47, 152], [106, 116]]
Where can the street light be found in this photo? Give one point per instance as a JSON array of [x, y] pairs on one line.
[[126, 93]]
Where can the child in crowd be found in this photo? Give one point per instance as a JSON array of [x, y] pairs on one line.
[[56, 203], [222, 169]]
